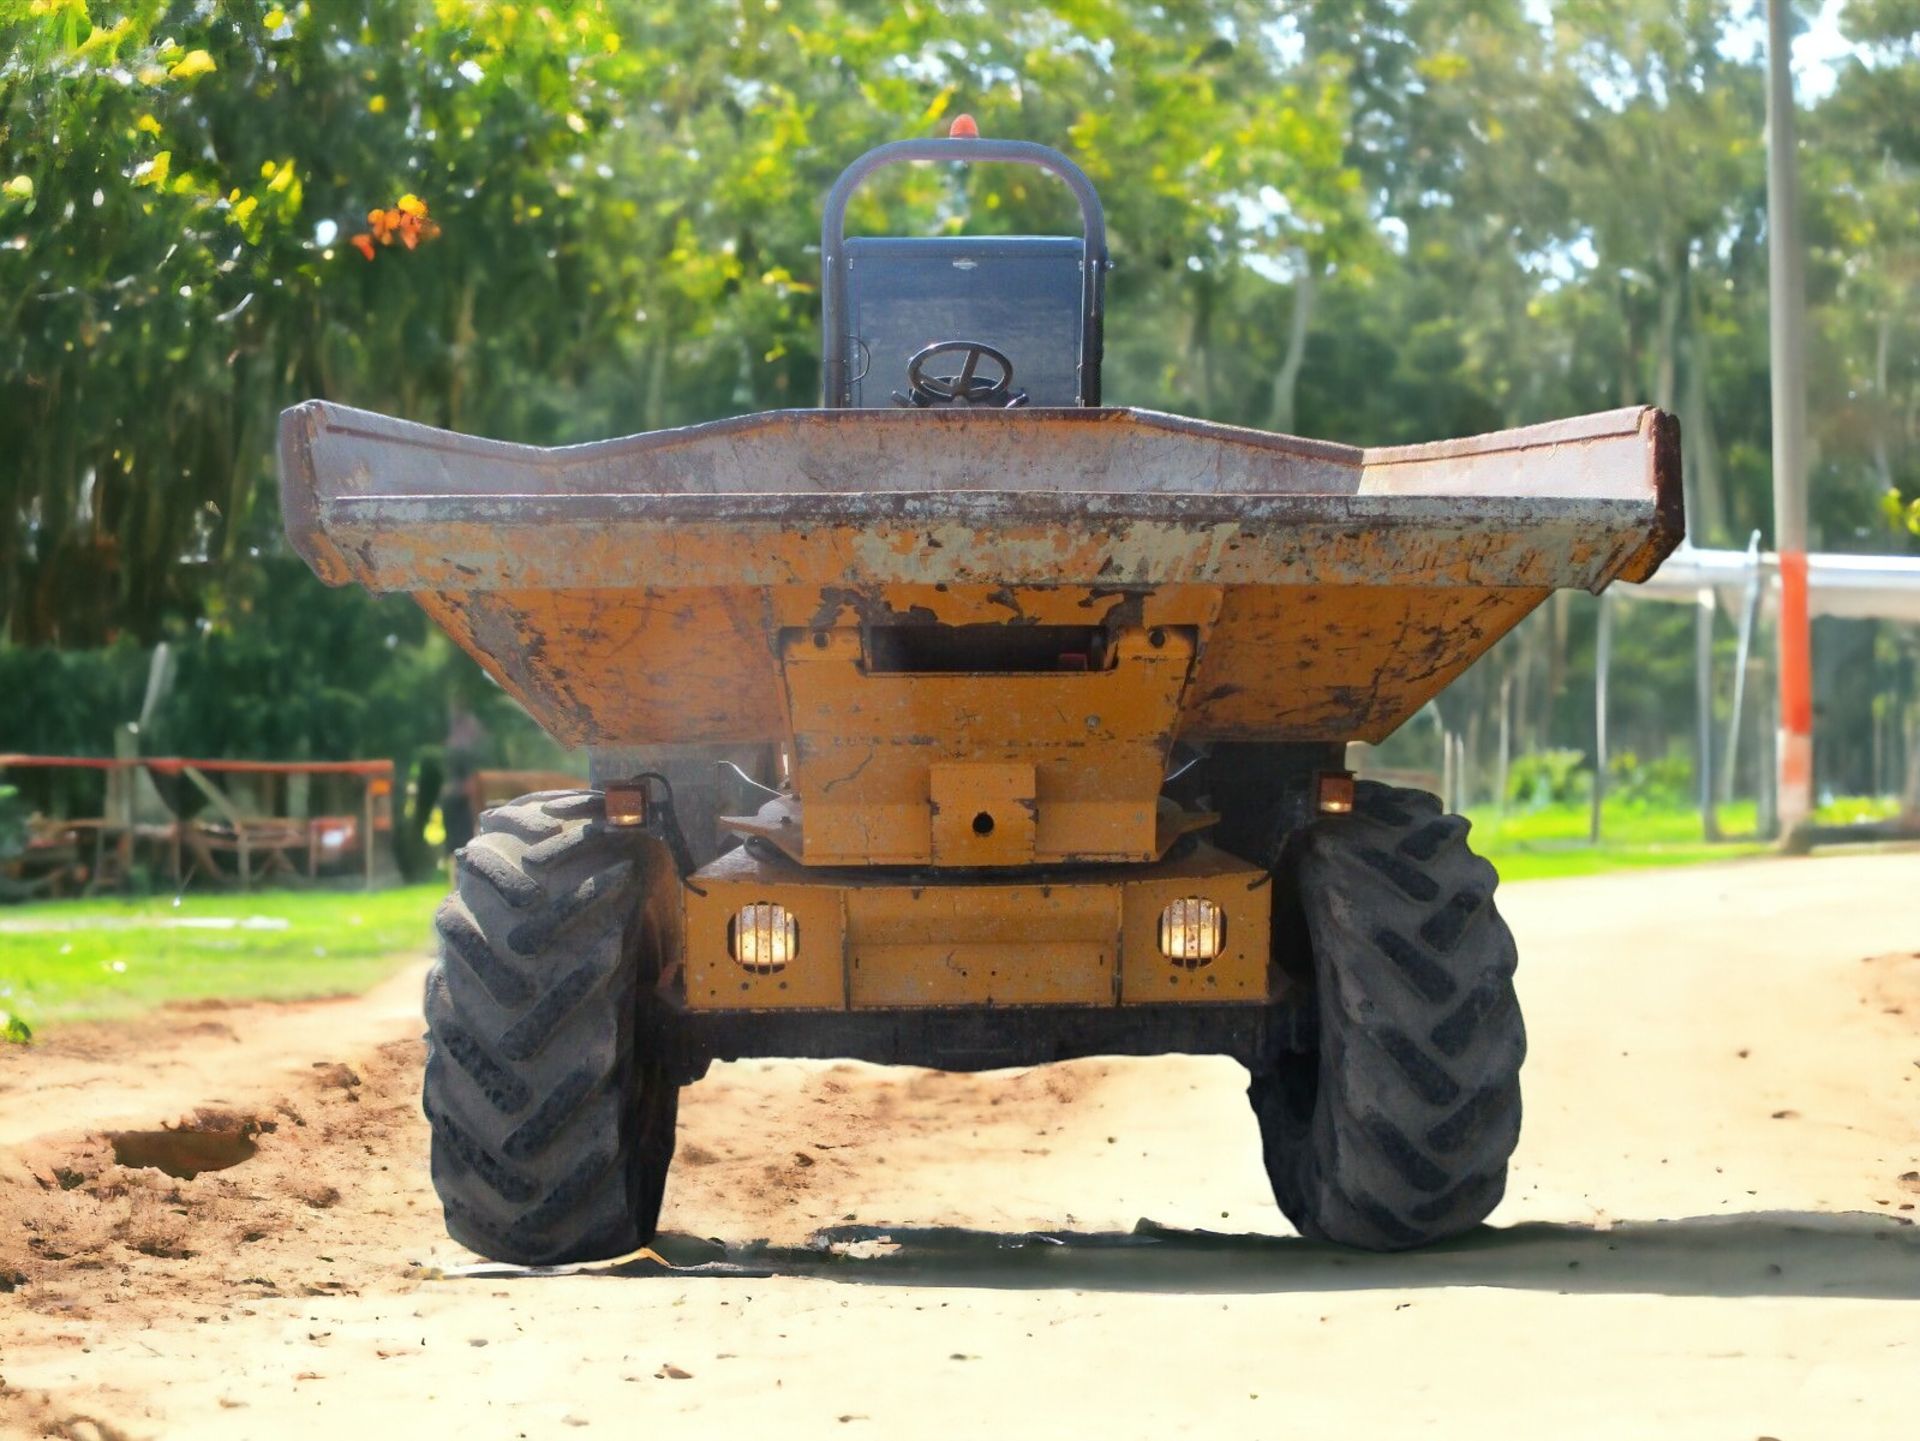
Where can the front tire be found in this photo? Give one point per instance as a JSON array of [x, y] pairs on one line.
[[1396, 1131], [552, 1135]]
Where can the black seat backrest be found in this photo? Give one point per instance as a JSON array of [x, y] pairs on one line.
[[1020, 294], [1036, 298]]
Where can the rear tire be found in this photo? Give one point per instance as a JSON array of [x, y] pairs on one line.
[[552, 1135], [1396, 1131]]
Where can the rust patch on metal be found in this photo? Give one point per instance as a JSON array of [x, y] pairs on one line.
[[1348, 662], [1670, 515], [871, 605]]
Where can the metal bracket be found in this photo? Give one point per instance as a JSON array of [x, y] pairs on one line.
[[629, 805]]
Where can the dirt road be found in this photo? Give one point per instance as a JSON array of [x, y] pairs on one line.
[[1707, 1230]]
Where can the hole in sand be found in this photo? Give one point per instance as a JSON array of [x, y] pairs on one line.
[[184, 1154]]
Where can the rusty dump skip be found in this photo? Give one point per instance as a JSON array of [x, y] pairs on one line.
[[977, 633]]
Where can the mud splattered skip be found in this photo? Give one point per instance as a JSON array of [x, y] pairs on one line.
[[226, 1203]]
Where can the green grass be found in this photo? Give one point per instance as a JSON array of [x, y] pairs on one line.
[[1545, 862], [87, 960], [1552, 841]]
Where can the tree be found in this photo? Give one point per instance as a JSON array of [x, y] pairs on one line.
[[183, 185], [1866, 178]]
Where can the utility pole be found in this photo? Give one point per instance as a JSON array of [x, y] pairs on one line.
[[1786, 327], [1602, 665]]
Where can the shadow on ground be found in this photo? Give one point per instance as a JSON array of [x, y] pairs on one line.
[[1776, 1253]]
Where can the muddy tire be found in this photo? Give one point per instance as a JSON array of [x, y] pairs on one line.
[[1396, 1131], [551, 1134]]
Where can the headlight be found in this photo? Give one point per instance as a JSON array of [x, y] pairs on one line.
[[763, 937], [1191, 931]]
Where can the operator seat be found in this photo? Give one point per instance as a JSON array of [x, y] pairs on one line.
[[1036, 299]]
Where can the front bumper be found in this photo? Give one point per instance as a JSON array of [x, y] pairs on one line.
[[891, 941]]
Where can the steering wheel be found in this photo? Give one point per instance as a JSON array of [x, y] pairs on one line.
[[968, 387]]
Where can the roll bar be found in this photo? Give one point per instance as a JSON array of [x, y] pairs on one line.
[[835, 323]]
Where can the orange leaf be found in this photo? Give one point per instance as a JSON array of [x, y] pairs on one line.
[[362, 243]]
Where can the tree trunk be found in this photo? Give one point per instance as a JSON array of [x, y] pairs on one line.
[[655, 403], [1470, 757], [1528, 659], [1502, 770], [1629, 378], [1706, 499], [1200, 341], [464, 336], [1561, 608], [1882, 463], [1286, 380], [1673, 284], [1910, 794]]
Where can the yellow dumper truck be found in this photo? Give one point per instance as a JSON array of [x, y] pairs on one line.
[[1042, 707]]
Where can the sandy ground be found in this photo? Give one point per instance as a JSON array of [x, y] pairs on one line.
[[1708, 1231]]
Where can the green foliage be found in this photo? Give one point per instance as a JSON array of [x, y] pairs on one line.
[[55, 700], [1664, 782], [184, 181], [416, 857], [281, 669], [1550, 777], [13, 823], [1901, 514]]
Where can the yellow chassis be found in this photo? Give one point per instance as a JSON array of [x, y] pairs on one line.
[[976, 638]]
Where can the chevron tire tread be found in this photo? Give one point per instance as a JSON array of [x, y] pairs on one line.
[[1397, 1132], [551, 1135]]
